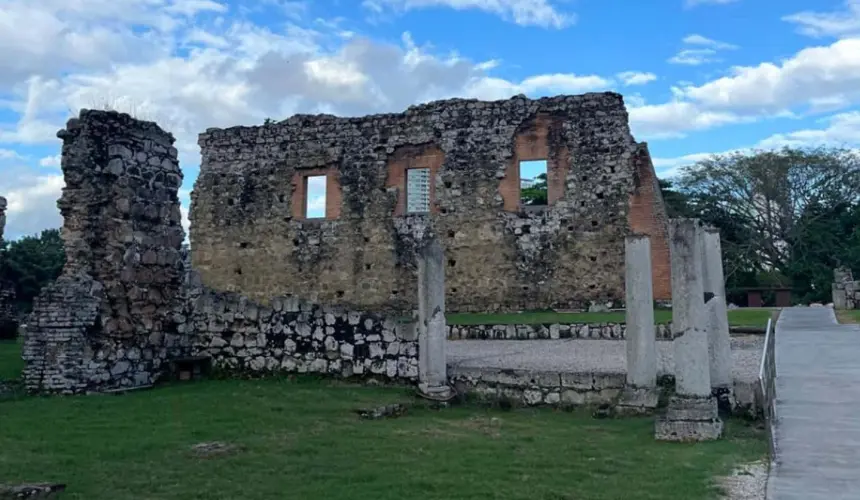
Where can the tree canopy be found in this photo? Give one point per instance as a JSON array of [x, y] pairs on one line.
[[30, 263], [537, 193], [786, 217]]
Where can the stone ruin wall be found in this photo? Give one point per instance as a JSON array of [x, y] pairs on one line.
[[8, 311], [127, 302], [110, 320], [846, 291], [249, 234]]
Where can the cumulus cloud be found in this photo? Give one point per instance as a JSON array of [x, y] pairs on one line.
[[523, 12], [32, 200], [831, 71], [837, 24], [840, 130], [629, 78], [188, 66], [189, 73]]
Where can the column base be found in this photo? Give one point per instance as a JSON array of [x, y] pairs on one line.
[[637, 400], [436, 392], [689, 419]]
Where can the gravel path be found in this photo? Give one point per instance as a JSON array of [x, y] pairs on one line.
[[747, 482], [586, 355]]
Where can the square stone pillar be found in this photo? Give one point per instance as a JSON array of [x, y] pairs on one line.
[[692, 412], [640, 394], [432, 335], [719, 341]]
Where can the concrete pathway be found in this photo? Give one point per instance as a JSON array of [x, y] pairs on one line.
[[818, 407]]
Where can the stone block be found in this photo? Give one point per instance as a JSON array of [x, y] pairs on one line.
[[689, 419], [638, 400]]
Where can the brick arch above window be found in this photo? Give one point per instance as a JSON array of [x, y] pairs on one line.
[[427, 157], [333, 195], [533, 142]]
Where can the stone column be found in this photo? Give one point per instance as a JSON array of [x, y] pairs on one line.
[[719, 341], [640, 394], [432, 336], [692, 411]]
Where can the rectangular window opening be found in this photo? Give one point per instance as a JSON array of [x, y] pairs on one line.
[[417, 190], [315, 196], [533, 183]]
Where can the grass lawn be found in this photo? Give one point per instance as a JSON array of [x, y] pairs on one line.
[[848, 316], [737, 317], [11, 363], [301, 440]]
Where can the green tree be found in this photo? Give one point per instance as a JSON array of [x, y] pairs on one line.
[[787, 217], [536, 194], [32, 262]]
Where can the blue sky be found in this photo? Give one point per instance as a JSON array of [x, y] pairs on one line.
[[698, 76]]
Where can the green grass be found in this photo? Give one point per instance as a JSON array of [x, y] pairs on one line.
[[11, 363], [737, 317], [301, 440], [848, 316]]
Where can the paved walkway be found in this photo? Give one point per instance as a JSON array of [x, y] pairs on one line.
[[818, 407]]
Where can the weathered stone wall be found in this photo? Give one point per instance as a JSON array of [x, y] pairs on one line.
[[8, 312], [249, 234], [290, 336], [846, 291], [111, 319], [128, 301]]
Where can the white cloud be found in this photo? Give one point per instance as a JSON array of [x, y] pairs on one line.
[[674, 119], [694, 57], [837, 24], [50, 161], [827, 72], [523, 12], [190, 8], [316, 196], [32, 201], [696, 39], [9, 154], [700, 50], [694, 3], [629, 78], [842, 130]]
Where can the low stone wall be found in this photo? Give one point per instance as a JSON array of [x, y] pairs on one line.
[[534, 388], [567, 389], [293, 337], [549, 331]]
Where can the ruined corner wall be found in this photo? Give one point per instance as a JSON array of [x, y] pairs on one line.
[[112, 317], [648, 216], [249, 234], [8, 311], [846, 291]]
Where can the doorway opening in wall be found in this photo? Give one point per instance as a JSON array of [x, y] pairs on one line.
[[417, 190], [315, 196], [533, 183]]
